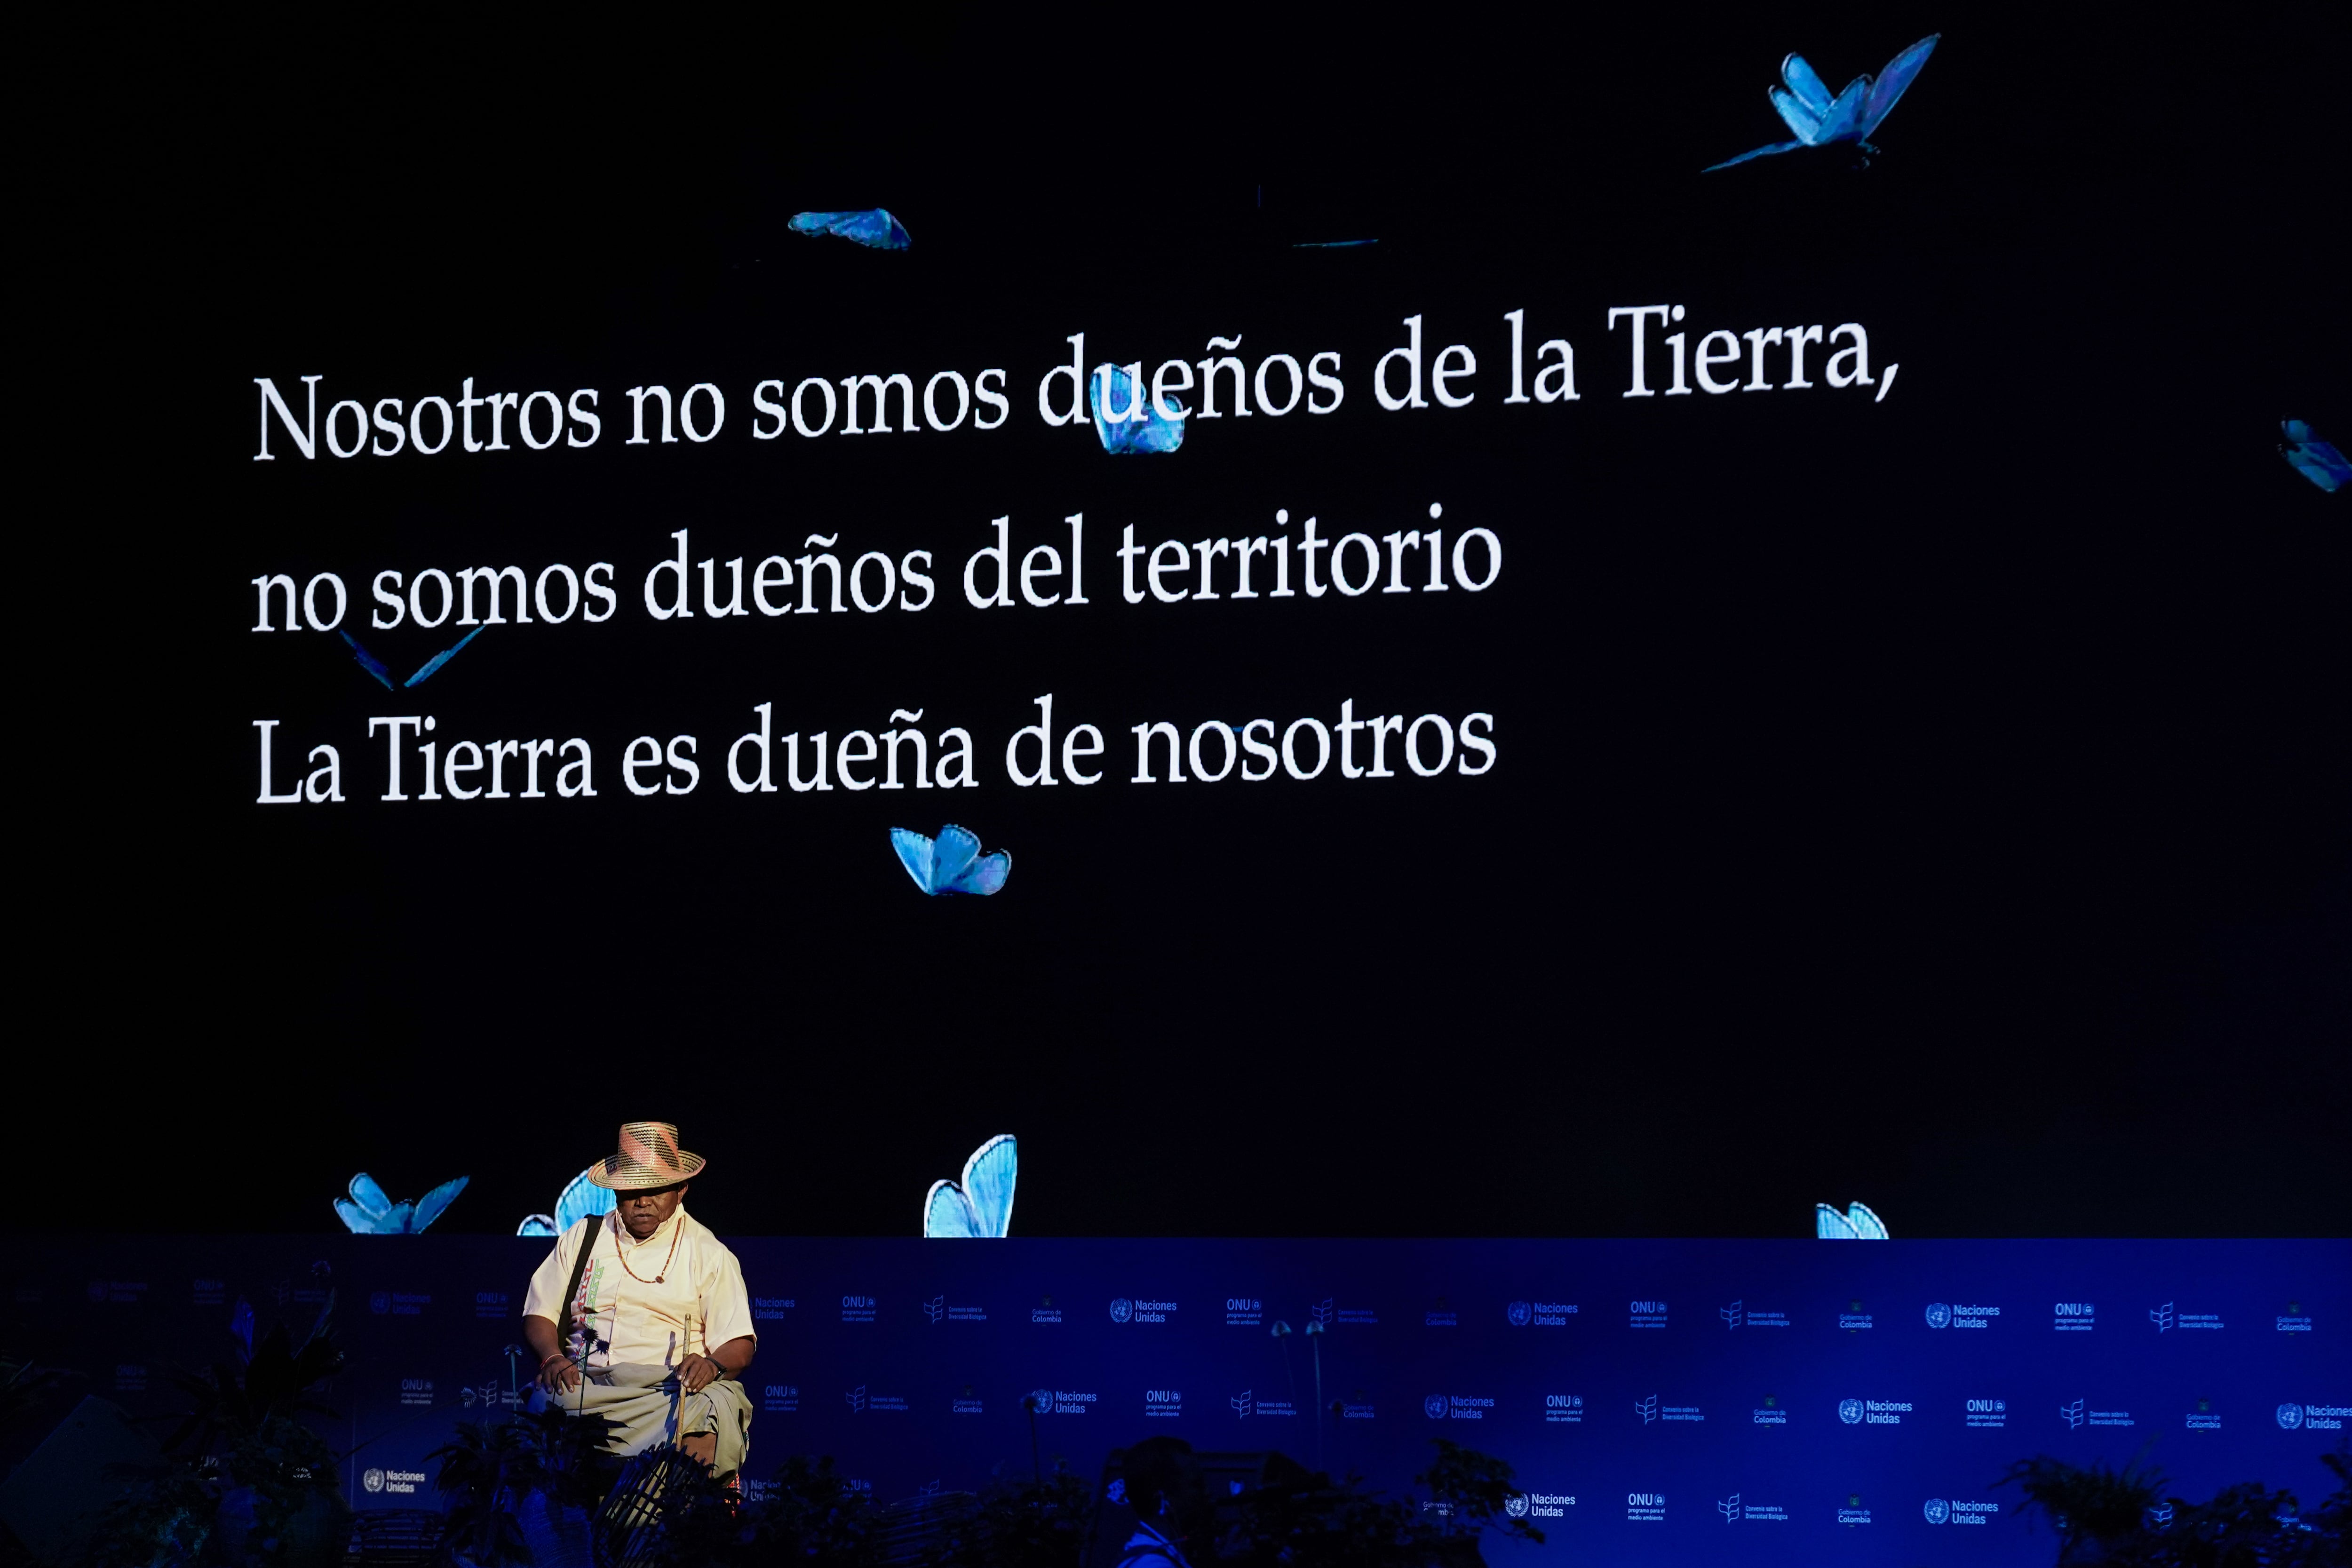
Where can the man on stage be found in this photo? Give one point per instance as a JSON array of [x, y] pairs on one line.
[[640, 1315]]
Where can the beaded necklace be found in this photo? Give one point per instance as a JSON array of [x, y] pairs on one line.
[[665, 1262]]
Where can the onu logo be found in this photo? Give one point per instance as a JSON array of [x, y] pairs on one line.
[[858, 1301], [1563, 1401], [783, 1391], [1645, 1499], [1649, 1308]]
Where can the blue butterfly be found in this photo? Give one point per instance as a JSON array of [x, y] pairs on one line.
[[1147, 432], [872, 226], [2314, 459], [582, 1199], [374, 666], [1857, 1223], [951, 865], [982, 1206], [369, 1213], [1819, 120]]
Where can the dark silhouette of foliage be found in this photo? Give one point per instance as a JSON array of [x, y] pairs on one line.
[[2088, 1505], [241, 1395], [271, 1499], [1041, 1523], [490, 1467], [1300, 1518], [2120, 1519]]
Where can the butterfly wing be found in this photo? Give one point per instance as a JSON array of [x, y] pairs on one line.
[[1807, 84], [429, 1206], [1805, 122], [357, 1220], [984, 876], [1147, 432], [1893, 80], [368, 1196], [444, 656], [2314, 459], [1758, 153], [369, 661], [1830, 1226], [1842, 122], [951, 856], [988, 1179], [1867, 1226], [540, 1225], [947, 1214], [874, 226], [582, 1199], [1158, 435], [917, 854]]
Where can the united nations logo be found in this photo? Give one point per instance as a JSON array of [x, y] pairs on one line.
[[1121, 1310], [2290, 1416], [373, 1480], [1940, 1314], [1041, 1400], [1850, 1412], [1937, 1510], [1520, 1312], [379, 1301], [1435, 1408], [1516, 1505]]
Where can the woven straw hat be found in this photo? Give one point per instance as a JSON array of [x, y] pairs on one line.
[[648, 1157]]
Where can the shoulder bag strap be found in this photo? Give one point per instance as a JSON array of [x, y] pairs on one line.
[[579, 1268]]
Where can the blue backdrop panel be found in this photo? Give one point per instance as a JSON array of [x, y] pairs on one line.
[[1662, 1401]]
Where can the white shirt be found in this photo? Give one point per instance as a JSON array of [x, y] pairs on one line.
[[679, 1292]]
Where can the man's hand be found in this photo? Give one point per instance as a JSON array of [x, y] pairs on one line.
[[697, 1372], [558, 1376]]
